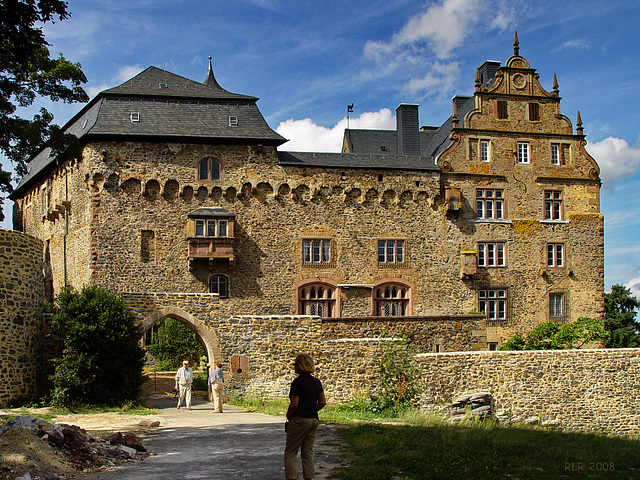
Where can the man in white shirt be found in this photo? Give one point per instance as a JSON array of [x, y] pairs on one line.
[[184, 379], [216, 380]]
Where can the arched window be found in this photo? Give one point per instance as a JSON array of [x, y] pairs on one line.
[[317, 299], [391, 300], [209, 169], [219, 284]]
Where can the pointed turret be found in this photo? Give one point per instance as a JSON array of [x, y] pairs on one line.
[[516, 45], [555, 85], [211, 81], [579, 128]]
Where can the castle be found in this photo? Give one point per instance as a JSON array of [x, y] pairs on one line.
[[490, 222]]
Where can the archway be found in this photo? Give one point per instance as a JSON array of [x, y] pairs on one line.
[[197, 326]]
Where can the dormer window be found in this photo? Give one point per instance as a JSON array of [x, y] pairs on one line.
[[233, 121], [134, 116]]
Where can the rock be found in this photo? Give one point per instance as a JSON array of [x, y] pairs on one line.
[[481, 412], [129, 450], [149, 423], [551, 423], [43, 425], [531, 420]]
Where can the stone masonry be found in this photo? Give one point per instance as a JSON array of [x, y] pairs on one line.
[[21, 325]]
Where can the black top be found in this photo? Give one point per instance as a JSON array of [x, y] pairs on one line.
[[308, 389]]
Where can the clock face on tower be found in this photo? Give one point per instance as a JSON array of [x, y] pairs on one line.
[[519, 81]]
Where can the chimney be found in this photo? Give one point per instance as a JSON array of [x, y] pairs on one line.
[[407, 129], [487, 73]]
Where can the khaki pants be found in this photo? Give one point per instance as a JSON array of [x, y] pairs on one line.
[[300, 435], [216, 391], [185, 393]]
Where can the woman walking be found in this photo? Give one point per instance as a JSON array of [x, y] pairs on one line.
[[306, 398]]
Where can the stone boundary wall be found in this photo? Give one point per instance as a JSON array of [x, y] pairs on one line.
[[21, 324], [586, 390]]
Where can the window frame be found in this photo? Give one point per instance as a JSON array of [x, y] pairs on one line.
[[308, 301], [496, 203], [491, 254], [212, 174], [484, 154], [502, 109], [555, 255], [555, 154], [389, 304], [556, 314], [523, 150], [219, 276], [534, 112], [317, 252], [553, 208], [392, 251], [202, 227], [495, 315]]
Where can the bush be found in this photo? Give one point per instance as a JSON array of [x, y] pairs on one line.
[[397, 378], [556, 336], [101, 362]]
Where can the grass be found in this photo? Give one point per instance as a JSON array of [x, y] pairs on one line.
[[414, 446]]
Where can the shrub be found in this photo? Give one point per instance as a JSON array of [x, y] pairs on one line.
[[556, 336], [397, 377], [101, 361]]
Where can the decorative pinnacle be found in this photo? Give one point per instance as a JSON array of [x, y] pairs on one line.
[[555, 85], [477, 79], [516, 45], [579, 128], [454, 116]]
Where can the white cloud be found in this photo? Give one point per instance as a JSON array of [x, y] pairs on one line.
[[441, 77], [427, 40], [617, 159], [307, 136], [634, 286]]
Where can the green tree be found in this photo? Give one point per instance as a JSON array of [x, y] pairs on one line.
[[557, 336], [172, 343], [398, 376], [101, 362], [620, 309], [27, 72]]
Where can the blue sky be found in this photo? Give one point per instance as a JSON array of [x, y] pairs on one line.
[[308, 59]]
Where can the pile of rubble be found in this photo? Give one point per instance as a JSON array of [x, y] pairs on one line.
[[70, 443], [474, 405]]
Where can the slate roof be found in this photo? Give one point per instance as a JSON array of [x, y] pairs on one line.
[[166, 107], [210, 212], [356, 160], [433, 140]]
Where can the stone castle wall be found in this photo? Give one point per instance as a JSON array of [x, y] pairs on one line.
[[586, 390], [102, 206], [21, 322]]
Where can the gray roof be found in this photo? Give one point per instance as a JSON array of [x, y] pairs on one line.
[[355, 160], [157, 105], [210, 212], [433, 140]]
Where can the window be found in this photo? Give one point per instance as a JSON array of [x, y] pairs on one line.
[[316, 251], [555, 154], [209, 169], [489, 203], [211, 228], [317, 299], [391, 251], [502, 111], [219, 284], [484, 150], [391, 300], [534, 112], [147, 246], [555, 255], [552, 205], [492, 346], [557, 307], [134, 116], [491, 254], [493, 302], [233, 121], [523, 152]]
